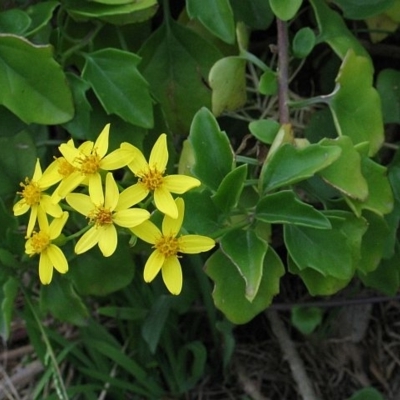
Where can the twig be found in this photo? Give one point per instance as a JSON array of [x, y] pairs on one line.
[[295, 362], [248, 385]]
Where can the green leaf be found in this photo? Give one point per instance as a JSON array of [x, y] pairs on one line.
[[123, 313], [14, 21], [116, 271], [230, 287], [303, 42], [228, 83], [119, 86], [388, 86], [217, 16], [7, 223], [337, 174], [212, 150], [60, 299], [265, 130], [362, 9], [369, 393], [284, 207], [33, 84], [333, 30], [355, 103], [268, 84], [230, 189], [40, 15], [289, 164], [285, 9], [247, 252], [176, 62], [118, 14], [8, 293], [17, 161], [256, 14], [306, 319]]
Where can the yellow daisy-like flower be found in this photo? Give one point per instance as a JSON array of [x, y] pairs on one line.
[[152, 177], [88, 160], [104, 212], [51, 255], [167, 245], [34, 198]]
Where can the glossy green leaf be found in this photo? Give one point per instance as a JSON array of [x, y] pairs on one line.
[[230, 189], [303, 42], [290, 165], [230, 287], [306, 319], [17, 161], [40, 15], [118, 14], [227, 80], [268, 84], [361, 9], [116, 271], [256, 14], [285, 207], [60, 299], [7, 223], [112, 2], [355, 103], [119, 86], [388, 86], [212, 150], [380, 195], [14, 21], [368, 393], [285, 9], [33, 84], [176, 62], [265, 130], [247, 252], [337, 174], [10, 124], [8, 294], [334, 31], [318, 284], [217, 16]]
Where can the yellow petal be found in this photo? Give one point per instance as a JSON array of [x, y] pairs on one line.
[[42, 220], [32, 220], [116, 159], [172, 275], [192, 244], [108, 240], [138, 164], [131, 196], [38, 171], [49, 207], [180, 183], [29, 248], [101, 144], [50, 175], [111, 192], [57, 258], [165, 202], [131, 217], [172, 226], [147, 231], [20, 207], [71, 154], [159, 154], [81, 203], [96, 189], [70, 183], [86, 148], [45, 269], [153, 265], [88, 240], [57, 226]]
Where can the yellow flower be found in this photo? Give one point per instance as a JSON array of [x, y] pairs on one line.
[[88, 160], [34, 198], [167, 245], [104, 212], [152, 177], [50, 254]]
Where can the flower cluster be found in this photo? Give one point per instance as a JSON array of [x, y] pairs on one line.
[[85, 183]]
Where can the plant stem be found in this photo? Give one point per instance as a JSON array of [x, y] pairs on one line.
[[283, 71]]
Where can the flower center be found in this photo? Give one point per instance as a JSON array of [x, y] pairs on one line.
[[152, 179], [64, 167], [89, 164], [31, 192], [40, 240], [168, 246], [101, 216]]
